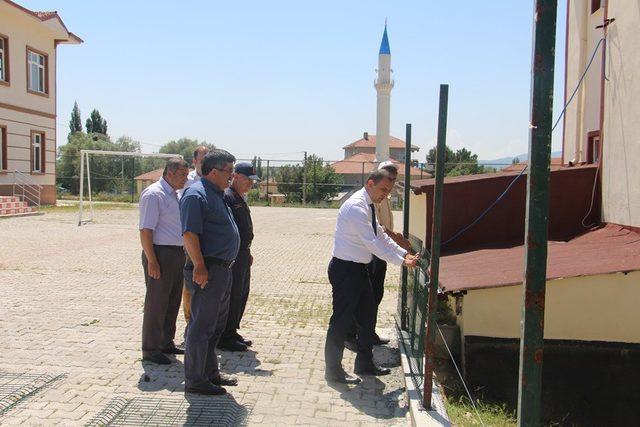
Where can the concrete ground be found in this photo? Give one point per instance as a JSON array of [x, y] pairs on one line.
[[71, 306]]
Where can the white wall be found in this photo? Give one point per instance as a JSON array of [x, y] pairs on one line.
[[418, 215], [621, 147]]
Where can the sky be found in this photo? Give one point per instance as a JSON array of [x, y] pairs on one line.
[[282, 77]]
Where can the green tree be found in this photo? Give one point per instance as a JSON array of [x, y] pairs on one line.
[[96, 124], [75, 124], [322, 180], [515, 161], [185, 147], [257, 164], [460, 162]]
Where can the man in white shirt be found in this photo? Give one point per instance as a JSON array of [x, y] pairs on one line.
[[193, 177], [358, 237]]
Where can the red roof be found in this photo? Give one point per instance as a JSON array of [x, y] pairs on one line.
[[45, 16], [371, 142], [150, 176], [517, 167], [609, 249], [353, 165]]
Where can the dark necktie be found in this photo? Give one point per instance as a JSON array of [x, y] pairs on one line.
[[373, 219]]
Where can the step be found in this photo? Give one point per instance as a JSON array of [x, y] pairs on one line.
[[9, 205], [16, 210], [18, 215], [9, 199]]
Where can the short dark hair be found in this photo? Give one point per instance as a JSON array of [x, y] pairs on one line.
[[173, 164], [391, 168], [216, 159], [378, 175], [198, 148]]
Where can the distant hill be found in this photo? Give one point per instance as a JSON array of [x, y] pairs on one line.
[[506, 161]]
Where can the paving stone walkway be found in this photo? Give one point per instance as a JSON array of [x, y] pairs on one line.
[[72, 306]]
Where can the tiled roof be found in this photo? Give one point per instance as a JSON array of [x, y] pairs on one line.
[[150, 176], [555, 162], [353, 165], [46, 15], [371, 142], [605, 250]]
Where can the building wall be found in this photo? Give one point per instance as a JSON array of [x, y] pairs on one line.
[[583, 115], [418, 215], [592, 308], [621, 135], [23, 112]]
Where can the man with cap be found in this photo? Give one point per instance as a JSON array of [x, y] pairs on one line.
[[234, 196]]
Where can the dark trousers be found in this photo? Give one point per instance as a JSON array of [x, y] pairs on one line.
[[162, 300], [241, 272], [377, 273], [209, 309], [352, 298]]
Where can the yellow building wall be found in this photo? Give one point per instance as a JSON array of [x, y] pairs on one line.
[[418, 215], [593, 308]]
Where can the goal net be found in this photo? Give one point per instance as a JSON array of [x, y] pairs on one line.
[[122, 176]]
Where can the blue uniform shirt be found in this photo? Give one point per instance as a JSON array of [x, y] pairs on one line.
[[204, 212]]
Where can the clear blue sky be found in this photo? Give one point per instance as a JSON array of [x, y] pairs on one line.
[[288, 76]]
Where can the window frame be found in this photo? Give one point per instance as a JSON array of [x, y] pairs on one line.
[[6, 79], [593, 147], [595, 6], [45, 71], [42, 148], [4, 162]]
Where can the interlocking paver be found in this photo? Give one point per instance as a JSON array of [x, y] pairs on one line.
[[72, 303]]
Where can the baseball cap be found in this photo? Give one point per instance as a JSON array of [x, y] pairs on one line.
[[247, 169], [387, 163]]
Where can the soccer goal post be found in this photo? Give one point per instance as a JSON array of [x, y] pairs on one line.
[[84, 160]]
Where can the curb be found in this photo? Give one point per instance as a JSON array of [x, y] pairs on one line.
[[419, 416]]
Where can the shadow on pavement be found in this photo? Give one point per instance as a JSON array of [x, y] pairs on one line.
[[369, 397], [214, 411], [245, 362], [162, 377]]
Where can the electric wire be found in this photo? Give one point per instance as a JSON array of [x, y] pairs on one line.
[[473, 403]]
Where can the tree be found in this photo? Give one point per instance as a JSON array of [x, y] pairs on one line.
[[322, 181], [184, 146], [75, 124], [96, 124], [460, 162], [257, 164], [515, 161]]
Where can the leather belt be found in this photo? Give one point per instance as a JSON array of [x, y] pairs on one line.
[[218, 261]]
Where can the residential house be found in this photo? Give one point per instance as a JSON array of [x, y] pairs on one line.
[[28, 47]]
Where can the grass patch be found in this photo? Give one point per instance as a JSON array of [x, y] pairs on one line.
[[97, 207], [461, 413]]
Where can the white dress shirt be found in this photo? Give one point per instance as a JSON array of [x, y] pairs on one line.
[[355, 240], [159, 211]]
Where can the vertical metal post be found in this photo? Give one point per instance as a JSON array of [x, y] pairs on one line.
[[86, 157], [536, 233], [81, 188], [362, 175], [405, 222], [315, 165], [430, 336], [133, 174], [304, 180], [268, 201]]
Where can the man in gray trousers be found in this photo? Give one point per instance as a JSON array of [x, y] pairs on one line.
[[212, 241]]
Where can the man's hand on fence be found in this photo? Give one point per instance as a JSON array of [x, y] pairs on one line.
[[410, 261]]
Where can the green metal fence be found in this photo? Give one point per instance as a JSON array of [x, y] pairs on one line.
[[412, 312]]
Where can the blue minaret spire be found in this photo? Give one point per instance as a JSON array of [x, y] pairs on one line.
[[384, 46]]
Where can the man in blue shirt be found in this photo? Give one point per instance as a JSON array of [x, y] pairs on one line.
[[212, 241], [162, 261]]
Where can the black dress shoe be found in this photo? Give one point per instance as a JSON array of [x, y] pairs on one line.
[[341, 378], [224, 379], [232, 345], [211, 390], [380, 341], [243, 340], [371, 370], [173, 350], [157, 358]]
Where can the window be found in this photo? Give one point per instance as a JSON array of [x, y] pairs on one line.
[[3, 148], [595, 5], [37, 72], [593, 147], [37, 152], [4, 59]]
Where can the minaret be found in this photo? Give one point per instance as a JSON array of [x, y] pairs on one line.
[[383, 85]]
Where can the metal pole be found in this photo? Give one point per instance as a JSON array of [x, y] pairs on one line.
[[268, 201], [81, 188], [315, 181], [86, 157], [362, 175], [133, 174], [536, 233], [405, 221], [430, 336], [304, 180]]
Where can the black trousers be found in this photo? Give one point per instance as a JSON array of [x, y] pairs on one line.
[[377, 273], [209, 309], [162, 300], [241, 272], [352, 298]]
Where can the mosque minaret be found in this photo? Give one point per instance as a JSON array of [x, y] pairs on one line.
[[383, 85]]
